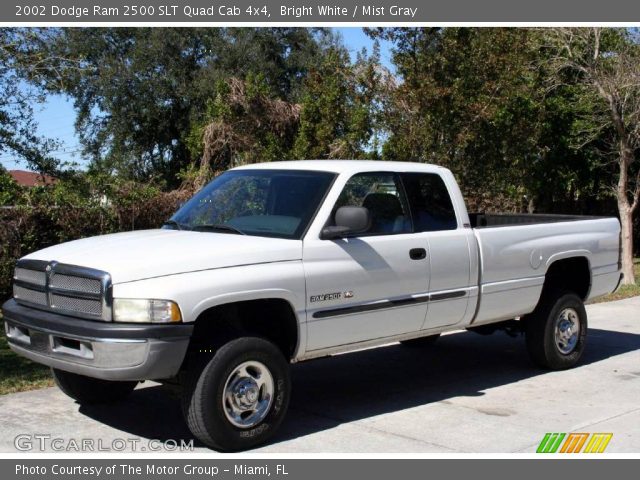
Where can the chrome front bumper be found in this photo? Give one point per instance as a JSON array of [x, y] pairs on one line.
[[96, 349]]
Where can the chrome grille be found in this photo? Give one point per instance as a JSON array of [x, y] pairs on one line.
[[22, 294], [64, 289], [79, 284], [74, 304], [30, 276]]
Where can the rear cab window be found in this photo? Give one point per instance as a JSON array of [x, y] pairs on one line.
[[430, 202]]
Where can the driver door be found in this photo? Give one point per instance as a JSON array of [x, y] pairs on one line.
[[373, 285]]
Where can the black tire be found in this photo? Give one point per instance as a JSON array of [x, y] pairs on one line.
[[421, 342], [540, 333], [90, 391], [203, 393]]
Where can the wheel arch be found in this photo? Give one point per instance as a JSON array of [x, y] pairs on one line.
[[231, 316], [568, 271]]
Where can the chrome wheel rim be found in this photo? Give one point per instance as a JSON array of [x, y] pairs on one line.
[[567, 331], [248, 394]]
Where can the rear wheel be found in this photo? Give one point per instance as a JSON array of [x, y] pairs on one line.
[[556, 331], [238, 398], [421, 342], [88, 390]]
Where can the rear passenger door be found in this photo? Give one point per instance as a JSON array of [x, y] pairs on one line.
[[435, 222]]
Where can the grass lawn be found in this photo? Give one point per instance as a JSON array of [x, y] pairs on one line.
[[18, 374]]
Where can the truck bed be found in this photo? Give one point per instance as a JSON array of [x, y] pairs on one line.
[[516, 250]]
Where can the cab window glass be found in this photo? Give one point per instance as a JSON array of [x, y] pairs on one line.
[[430, 202], [382, 194]]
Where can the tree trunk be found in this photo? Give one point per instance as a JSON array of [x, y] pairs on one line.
[[626, 238], [626, 212], [531, 207]]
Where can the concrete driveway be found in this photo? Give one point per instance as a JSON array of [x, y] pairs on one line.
[[468, 393]]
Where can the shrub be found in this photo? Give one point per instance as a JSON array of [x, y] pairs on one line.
[[77, 207]]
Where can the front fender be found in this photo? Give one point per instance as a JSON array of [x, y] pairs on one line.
[[196, 292]]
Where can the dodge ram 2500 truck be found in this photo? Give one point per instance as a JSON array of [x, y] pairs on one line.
[[277, 263]]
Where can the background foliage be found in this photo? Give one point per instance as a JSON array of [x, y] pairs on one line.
[[78, 207]]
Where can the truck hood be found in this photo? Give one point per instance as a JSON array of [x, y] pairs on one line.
[[144, 254]]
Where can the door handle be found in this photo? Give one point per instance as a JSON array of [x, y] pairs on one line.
[[417, 254]]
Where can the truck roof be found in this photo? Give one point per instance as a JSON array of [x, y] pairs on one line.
[[340, 166]]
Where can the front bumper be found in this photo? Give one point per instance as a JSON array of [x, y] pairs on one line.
[[106, 350]]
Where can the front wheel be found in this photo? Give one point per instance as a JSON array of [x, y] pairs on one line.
[[238, 399], [556, 332]]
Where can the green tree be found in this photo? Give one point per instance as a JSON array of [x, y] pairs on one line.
[[18, 136], [336, 116], [138, 91], [477, 100], [340, 107], [605, 63], [244, 123], [9, 189]]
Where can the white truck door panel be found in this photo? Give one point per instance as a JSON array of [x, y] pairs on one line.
[[450, 251], [363, 288], [452, 282]]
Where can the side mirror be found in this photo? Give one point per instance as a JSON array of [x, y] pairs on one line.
[[349, 220]]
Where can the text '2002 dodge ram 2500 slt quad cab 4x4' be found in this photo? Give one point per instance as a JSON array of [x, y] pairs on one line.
[[276, 263]]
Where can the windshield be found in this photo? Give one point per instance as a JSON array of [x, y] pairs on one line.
[[269, 203]]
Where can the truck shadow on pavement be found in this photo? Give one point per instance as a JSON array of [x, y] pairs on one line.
[[350, 387]]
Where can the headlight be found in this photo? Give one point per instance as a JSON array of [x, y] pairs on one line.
[[145, 311]]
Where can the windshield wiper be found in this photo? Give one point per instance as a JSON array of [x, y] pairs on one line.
[[172, 223], [217, 227]]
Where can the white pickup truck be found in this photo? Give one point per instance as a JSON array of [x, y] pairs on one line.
[[277, 263]]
